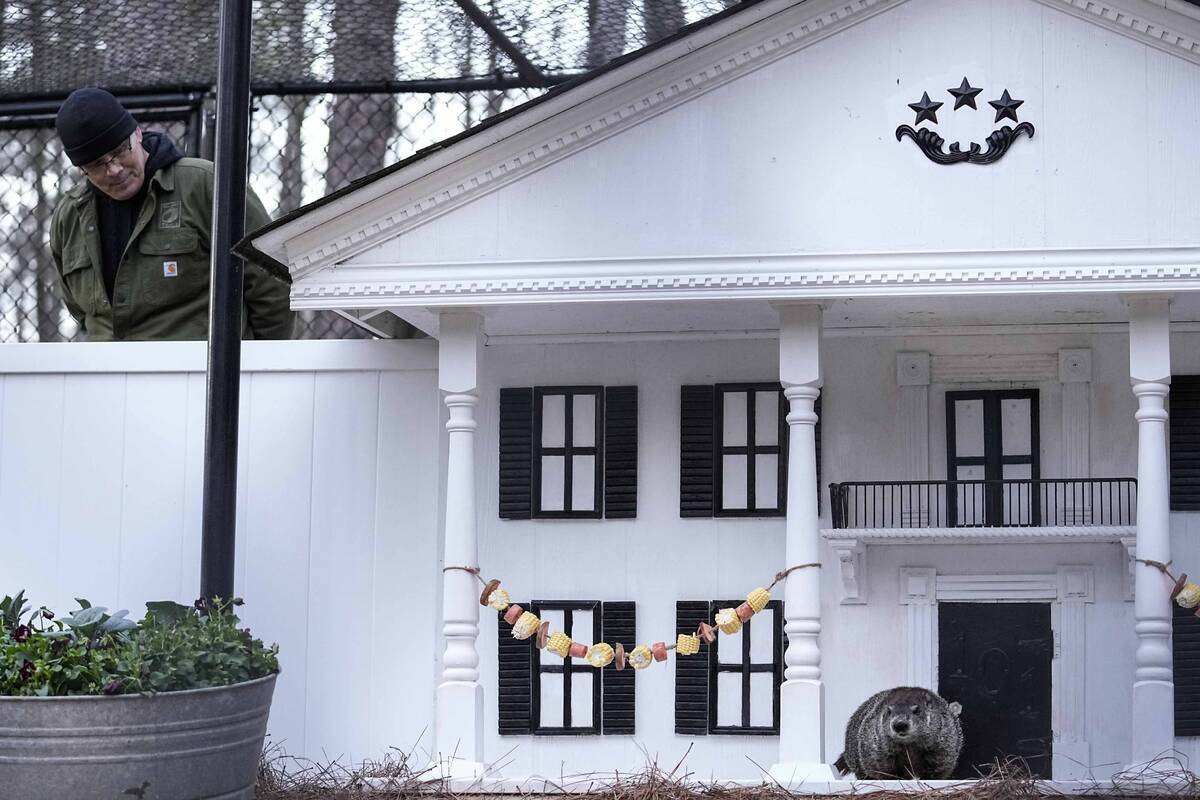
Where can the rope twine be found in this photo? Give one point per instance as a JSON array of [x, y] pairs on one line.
[[1165, 569], [473, 570], [782, 575]]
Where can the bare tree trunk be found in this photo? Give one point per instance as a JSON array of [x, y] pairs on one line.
[[663, 18], [291, 158], [360, 127], [606, 31]]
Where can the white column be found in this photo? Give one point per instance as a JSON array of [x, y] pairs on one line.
[[801, 698], [1150, 374], [459, 718]]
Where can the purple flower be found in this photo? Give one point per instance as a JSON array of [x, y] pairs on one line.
[[59, 646], [22, 633], [47, 614], [201, 605], [26, 671], [113, 687]]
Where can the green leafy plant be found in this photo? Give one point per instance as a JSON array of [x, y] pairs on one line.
[[93, 651]]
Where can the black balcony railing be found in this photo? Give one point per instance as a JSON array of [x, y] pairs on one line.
[[1071, 502]]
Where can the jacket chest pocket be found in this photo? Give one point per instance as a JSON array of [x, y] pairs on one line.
[[172, 267], [82, 279]]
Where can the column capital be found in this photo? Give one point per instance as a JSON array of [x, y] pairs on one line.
[[460, 348], [1149, 338]]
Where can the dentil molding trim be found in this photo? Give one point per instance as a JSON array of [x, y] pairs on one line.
[[1125, 270]]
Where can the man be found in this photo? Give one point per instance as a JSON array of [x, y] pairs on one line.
[[132, 242]]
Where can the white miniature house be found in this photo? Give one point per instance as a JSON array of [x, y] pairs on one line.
[[647, 287]]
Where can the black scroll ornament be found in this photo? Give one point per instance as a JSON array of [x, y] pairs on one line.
[[998, 142]]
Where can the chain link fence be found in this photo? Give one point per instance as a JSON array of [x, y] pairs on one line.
[[341, 89]]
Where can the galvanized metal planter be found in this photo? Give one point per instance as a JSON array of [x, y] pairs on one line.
[[202, 744]]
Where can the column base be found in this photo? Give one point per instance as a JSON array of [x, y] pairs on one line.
[[801, 734], [458, 733], [1072, 761], [1153, 723]]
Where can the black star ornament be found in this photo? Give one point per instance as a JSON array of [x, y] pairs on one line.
[[1006, 107], [964, 95], [926, 109]]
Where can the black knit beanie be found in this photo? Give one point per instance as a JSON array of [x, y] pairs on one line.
[[91, 123]]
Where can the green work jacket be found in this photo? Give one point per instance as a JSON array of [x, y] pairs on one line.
[[161, 285]]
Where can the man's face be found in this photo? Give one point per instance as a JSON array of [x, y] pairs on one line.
[[120, 173]]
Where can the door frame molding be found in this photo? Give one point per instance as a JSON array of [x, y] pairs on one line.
[[1068, 590]]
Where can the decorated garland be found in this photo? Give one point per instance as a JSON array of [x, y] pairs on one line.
[[1185, 593], [526, 625]]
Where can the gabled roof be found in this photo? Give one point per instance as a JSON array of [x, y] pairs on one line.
[[322, 233], [246, 248]]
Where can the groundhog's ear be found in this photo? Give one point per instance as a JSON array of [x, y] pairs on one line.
[[956, 708]]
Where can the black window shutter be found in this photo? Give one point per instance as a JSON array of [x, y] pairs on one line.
[[516, 453], [691, 672], [1186, 649], [620, 452], [1185, 442], [515, 684], [696, 408], [618, 624]]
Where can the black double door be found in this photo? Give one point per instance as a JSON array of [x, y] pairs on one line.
[[992, 458], [994, 659]]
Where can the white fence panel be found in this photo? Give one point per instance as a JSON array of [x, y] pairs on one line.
[[338, 548]]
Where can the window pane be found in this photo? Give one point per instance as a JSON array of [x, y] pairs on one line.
[[733, 482], [552, 483], [766, 418], [762, 635], [582, 630], [762, 699], [968, 427], [734, 419], [729, 698], [1016, 433], [555, 618], [766, 481], [583, 483], [729, 648], [553, 420], [581, 698], [583, 426], [551, 698]]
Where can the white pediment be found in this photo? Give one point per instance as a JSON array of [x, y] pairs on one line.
[[761, 155]]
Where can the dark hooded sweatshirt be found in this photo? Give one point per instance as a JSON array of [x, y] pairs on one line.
[[117, 218]]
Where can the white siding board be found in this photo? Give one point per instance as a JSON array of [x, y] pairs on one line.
[[273, 538], [152, 500], [93, 452], [405, 561], [340, 618], [30, 496]]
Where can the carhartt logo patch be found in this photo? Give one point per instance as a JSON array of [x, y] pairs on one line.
[[168, 215], [170, 269]]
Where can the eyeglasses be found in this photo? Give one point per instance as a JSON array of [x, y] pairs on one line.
[[100, 165]]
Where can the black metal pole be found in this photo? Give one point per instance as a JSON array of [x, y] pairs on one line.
[[225, 302]]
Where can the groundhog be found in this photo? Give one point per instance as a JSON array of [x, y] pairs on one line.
[[902, 733]]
